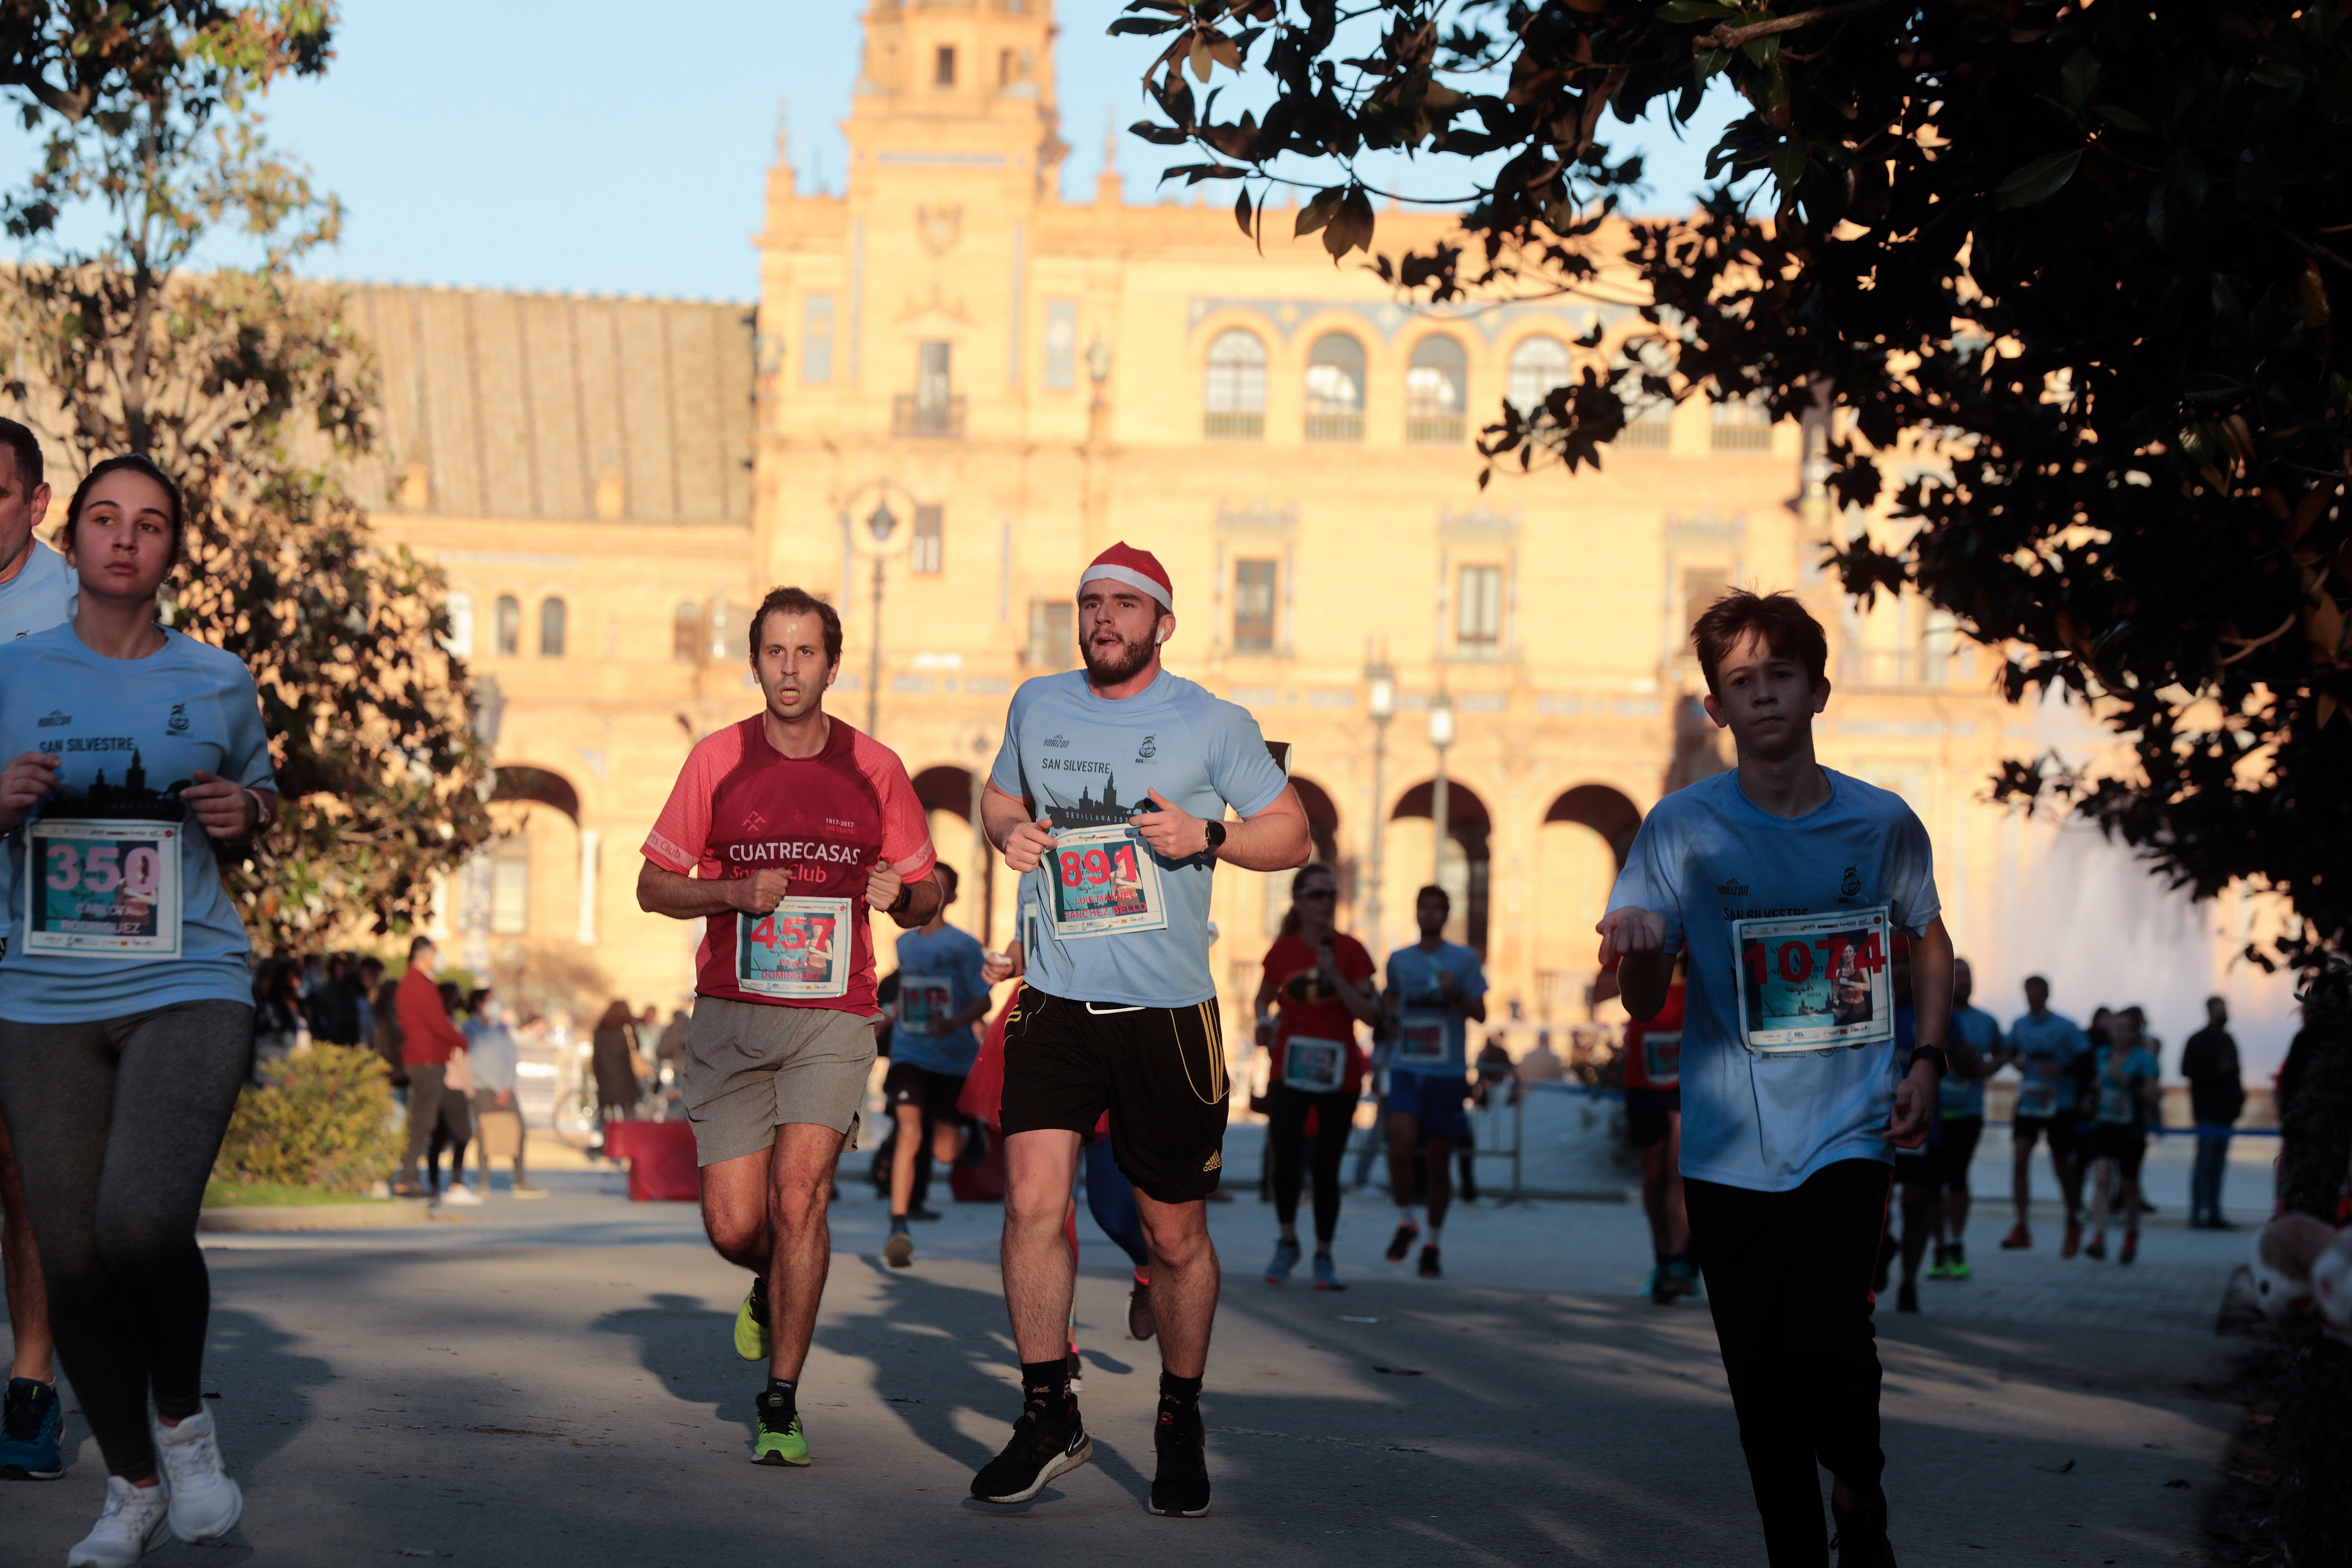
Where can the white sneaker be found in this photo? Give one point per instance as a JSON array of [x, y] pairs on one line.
[[461, 1195], [205, 1502], [133, 1520]]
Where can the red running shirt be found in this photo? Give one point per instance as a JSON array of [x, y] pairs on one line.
[[739, 807], [1306, 1004], [1653, 1051]]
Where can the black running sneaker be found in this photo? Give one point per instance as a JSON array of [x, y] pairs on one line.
[[1861, 1539], [1430, 1268], [1402, 1242], [1141, 1324], [1180, 1489], [1044, 1444]]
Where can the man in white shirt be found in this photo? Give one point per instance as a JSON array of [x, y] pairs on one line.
[[37, 592]]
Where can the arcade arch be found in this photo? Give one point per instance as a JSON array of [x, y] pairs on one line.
[[1464, 872], [1585, 836]]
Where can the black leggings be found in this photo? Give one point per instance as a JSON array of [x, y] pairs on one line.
[[1285, 1113], [117, 1123]]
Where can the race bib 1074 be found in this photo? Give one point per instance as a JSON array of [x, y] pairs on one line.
[[1103, 880], [1809, 983], [109, 887], [801, 948]]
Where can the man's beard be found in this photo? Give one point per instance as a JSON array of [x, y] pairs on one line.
[[1132, 658]]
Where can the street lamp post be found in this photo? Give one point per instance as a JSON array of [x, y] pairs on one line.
[[1380, 699], [1441, 736], [881, 523]]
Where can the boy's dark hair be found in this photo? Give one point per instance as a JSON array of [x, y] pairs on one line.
[[1788, 631], [137, 465], [27, 447], [1439, 894], [947, 877], [798, 602]]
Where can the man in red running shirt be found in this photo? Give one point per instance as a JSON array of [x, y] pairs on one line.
[[780, 833]]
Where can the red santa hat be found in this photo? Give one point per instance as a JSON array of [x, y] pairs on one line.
[[1139, 569]]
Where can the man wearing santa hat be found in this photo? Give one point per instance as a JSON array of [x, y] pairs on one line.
[[1109, 796]]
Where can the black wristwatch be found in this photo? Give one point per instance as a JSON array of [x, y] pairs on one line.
[[899, 905], [1214, 831], [1928, 1054]]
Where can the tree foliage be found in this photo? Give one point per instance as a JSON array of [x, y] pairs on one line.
[[2073, 267], [248, 387]]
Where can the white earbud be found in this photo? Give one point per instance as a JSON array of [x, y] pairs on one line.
[[1160, 636]]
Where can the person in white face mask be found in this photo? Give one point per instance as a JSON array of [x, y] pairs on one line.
[[490, 1043]]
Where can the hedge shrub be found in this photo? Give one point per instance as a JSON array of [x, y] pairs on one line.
[[323, 1121]]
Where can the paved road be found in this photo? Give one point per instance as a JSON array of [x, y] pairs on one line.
[[553, 1383]]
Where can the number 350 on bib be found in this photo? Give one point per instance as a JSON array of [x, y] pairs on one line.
[[102, 886]]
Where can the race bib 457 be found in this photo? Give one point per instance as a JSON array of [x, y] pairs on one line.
[[1809, 983], [802, 948]]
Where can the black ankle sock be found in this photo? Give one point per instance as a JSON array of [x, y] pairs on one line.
[[1183, 1390], [1047, 1382], [788, 1392]]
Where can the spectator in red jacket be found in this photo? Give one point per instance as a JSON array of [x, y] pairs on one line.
[[426, 1040]]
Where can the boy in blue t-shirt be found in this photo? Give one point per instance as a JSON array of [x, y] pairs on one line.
[[1787, 883], [1436, 990], [1974, 1047], [2123, 1108], [941, 996], [2044, 1046]]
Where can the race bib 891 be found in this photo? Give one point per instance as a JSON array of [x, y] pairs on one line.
[[1103, 880], [1809, 983], [109, 887]]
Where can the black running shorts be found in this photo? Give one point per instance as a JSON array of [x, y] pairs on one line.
[[2060, 1128], [935, 1093], [1646, 1113], [1159, 1072], [1955, 1149]]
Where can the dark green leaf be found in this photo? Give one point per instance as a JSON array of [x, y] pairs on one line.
[[2038, 181]]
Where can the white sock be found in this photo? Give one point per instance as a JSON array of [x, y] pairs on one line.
[[1404, 1217], [1435, 1232]]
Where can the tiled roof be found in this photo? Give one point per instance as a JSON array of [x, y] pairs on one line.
[[562, 406]]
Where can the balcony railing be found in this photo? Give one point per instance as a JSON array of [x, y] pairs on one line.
[[1335, 426], [1647, 436], [1433, 429], [916, 417], [1860, 668], [1233, 424], [1740, 434]]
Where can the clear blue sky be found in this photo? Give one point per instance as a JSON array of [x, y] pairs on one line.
[[622, 148]]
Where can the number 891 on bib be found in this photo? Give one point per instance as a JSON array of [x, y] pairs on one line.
[[1103, 880]]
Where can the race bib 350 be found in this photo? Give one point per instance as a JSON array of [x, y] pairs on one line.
[[109, 887]]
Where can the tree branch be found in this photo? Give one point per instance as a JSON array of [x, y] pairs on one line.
[[1728, 36]]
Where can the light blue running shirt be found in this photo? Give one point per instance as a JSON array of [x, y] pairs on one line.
[[1087, 761], [41, 595], [1707, 856], [953, 958], [1414, 975], [129, 732], [1972, 1027], [2047, 1049]]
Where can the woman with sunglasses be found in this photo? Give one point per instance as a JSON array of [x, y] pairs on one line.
[[1318, 985], [126, 992]]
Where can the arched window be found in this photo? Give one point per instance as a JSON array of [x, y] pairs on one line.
[[1334, 389], [550, 627], [508, 633], [686, 633], [1235, 409], [1436, 390], [1538, 365], [460, 641]]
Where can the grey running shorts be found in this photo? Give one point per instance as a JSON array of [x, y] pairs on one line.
[[751, 1066]]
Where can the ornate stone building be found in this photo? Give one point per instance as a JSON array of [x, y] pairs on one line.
[[956, 388]]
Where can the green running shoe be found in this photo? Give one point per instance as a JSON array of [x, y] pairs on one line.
[[784, 1444], [752, 1323]]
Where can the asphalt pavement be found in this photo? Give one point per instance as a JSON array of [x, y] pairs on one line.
[[554, 1384]]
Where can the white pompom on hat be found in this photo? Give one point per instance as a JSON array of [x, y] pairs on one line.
[[1139, 569]]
